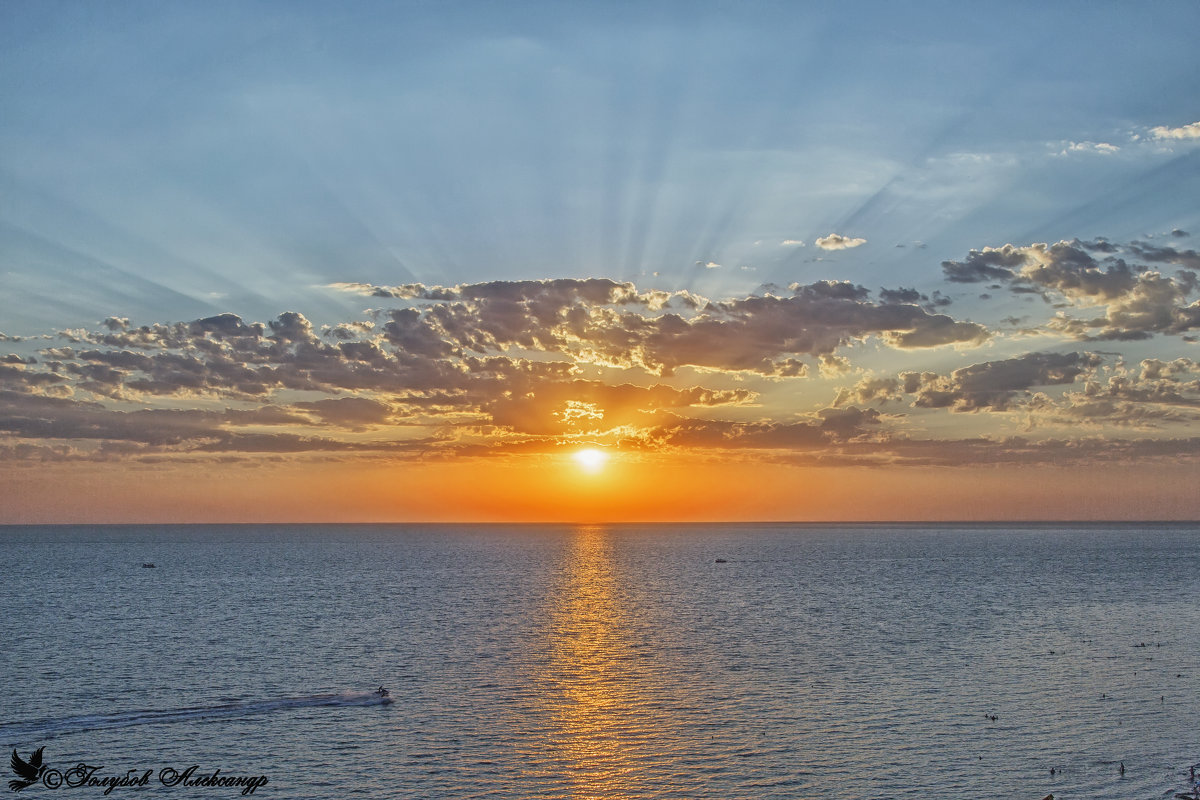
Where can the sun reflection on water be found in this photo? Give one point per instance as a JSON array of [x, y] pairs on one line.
[[602, 723]]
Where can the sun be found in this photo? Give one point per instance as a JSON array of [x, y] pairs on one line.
[[591, 459]]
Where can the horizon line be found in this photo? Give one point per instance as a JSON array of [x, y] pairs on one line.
[[622, 523]]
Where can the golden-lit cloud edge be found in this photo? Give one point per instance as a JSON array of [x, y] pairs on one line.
[[511, 368]]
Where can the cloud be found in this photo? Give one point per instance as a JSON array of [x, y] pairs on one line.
[[1100, 148], [819, 430], [592, 407], [755, 333], [1137, 301], [913, 297], [615, 324], [349, 412], [791, 243], [1188, 259], [901, 295], [1010, 450], [870, 390], [41, 417], [831, 366], [1191, 131], [528, 366], [988, 264], [1069, 269], [836, 241], [455, 347], [556, 292], [997, 385], [18, 377], [1154, 395]]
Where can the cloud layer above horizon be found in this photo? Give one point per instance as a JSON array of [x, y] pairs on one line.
[[797, 375]]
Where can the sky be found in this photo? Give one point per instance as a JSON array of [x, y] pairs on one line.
[[598, 261]]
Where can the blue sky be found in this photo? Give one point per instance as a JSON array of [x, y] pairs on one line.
[[190, 158], [164, 163]]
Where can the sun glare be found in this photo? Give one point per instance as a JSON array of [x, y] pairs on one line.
[[591, 459]]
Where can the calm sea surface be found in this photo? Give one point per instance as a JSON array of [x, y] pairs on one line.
[[748, 661]]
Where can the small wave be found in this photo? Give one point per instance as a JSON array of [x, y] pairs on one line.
[[13, 734]]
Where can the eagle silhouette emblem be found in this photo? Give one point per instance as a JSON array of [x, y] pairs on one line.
[[29, 772]]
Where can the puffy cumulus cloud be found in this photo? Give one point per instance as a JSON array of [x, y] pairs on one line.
[[831, 366], [1137, 301], [608, 323], [988, 264], [1155, 394], [1174, 384], [348, 330], [835, 241], [759, 334], [872, 390], [1153, 304], [1156, 369], [901, 295], [1162, 132], [997, 385], [16, 376], [1071, 271]]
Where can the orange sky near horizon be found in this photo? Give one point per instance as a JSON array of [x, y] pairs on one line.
[[553, 488]]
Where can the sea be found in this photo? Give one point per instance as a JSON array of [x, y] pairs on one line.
[[576, 661]]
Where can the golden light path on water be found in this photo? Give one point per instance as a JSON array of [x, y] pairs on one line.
[[601, 723]]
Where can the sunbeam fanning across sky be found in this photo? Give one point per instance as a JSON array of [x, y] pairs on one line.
[[593, 261]]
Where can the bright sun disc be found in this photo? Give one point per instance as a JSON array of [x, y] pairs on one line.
[[591, 459]]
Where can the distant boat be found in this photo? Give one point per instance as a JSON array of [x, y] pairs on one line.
[[147, 565]]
